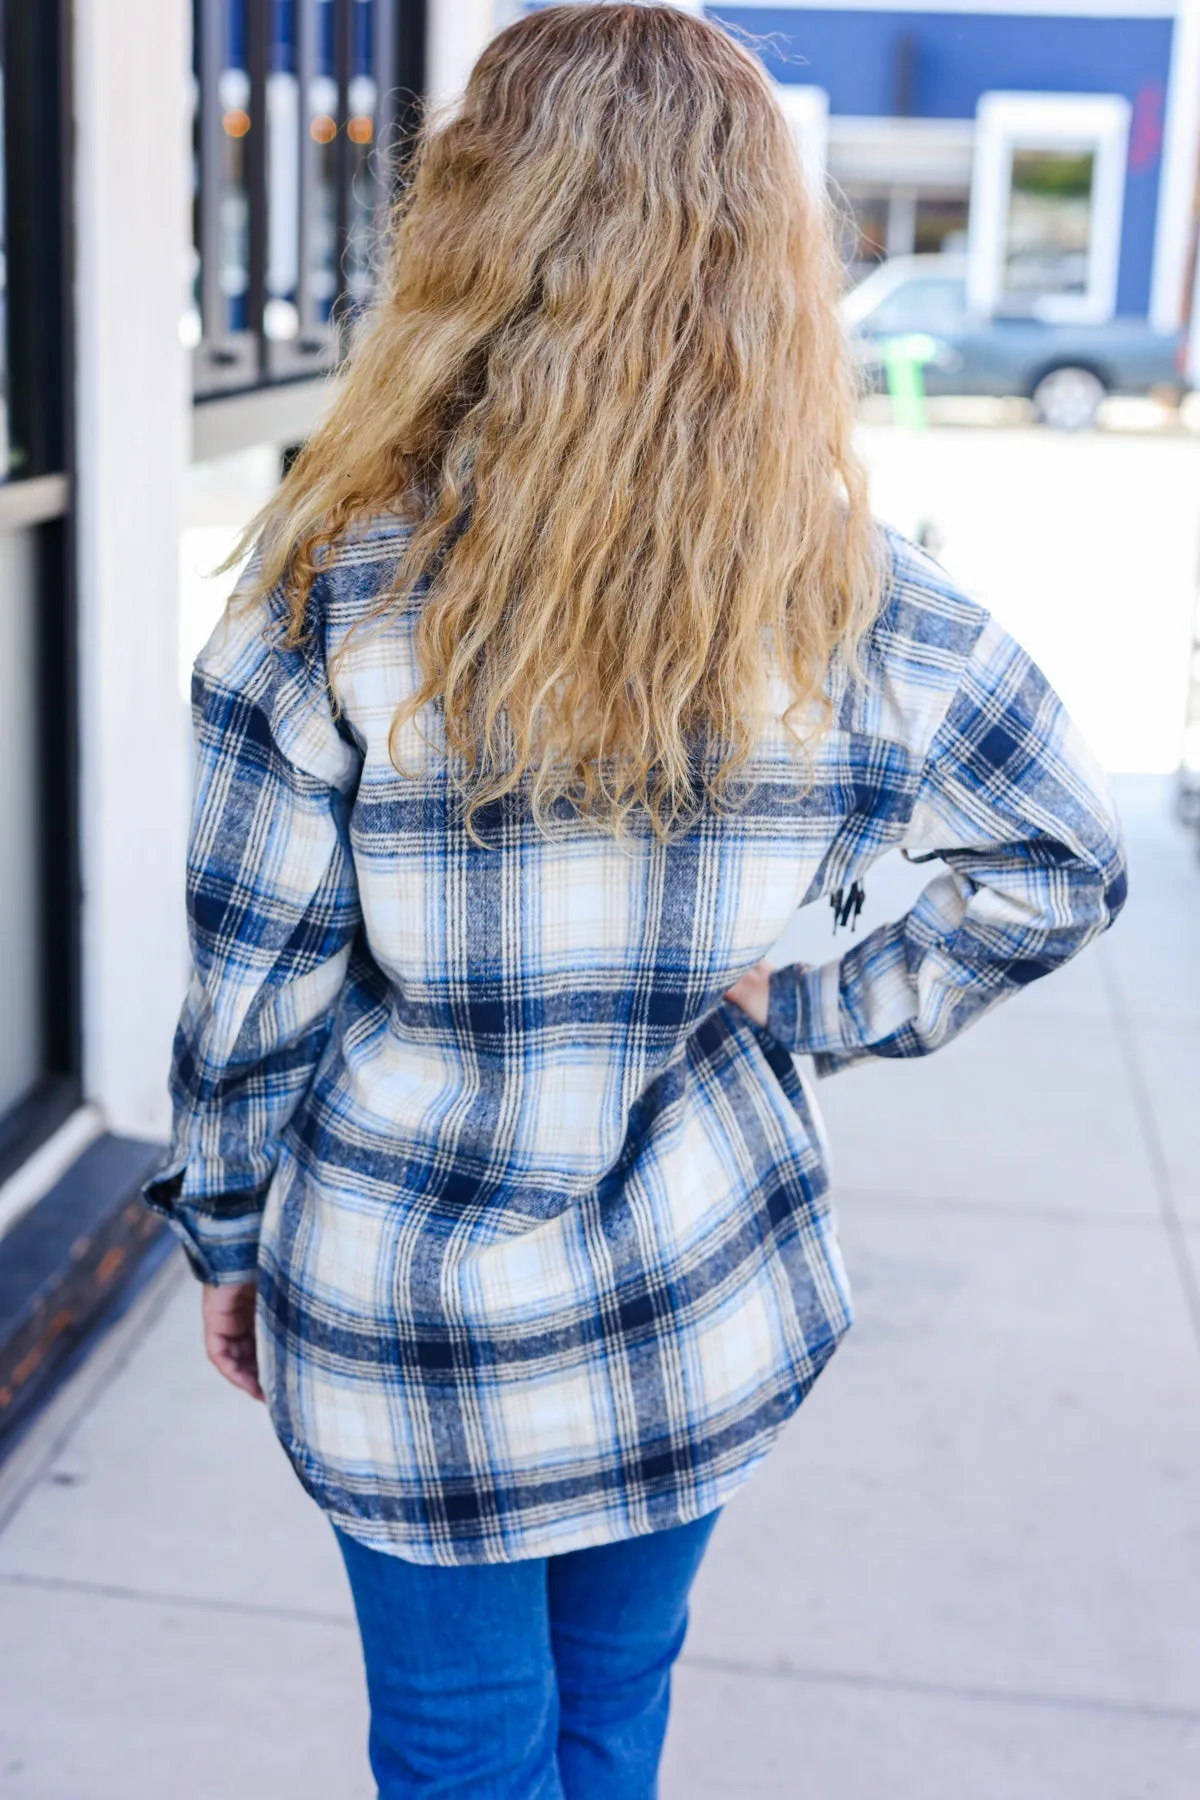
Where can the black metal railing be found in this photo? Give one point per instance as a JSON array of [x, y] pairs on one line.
[[299, 109]]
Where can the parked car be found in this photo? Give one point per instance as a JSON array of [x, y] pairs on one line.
[[1065, 369]]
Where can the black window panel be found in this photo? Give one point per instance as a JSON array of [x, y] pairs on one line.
[[34, 241], [39, 555]]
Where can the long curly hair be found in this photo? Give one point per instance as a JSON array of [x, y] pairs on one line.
[[606, 383]]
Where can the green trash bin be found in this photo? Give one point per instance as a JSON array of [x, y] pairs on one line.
[[904, 360]]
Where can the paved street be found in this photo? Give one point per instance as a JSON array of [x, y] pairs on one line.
[[971, 1568]]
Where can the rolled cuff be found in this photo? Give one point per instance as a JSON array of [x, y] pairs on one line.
[[220, 1239], [783, 1006], [805, 1012]]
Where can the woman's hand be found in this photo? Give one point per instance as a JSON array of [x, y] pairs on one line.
[[228, 1314], [752, 992]]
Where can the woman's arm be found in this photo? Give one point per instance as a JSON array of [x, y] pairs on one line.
[[1013, 805], [272, 911]]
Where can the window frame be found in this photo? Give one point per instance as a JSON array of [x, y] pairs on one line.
[[805, 106], [1010, 122]]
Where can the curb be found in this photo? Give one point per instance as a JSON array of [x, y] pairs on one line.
[[64, 1264]]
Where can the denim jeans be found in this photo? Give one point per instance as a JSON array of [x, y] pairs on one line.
[[540, 1680]]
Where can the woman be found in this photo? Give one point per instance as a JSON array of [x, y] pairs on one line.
[[570, 665]]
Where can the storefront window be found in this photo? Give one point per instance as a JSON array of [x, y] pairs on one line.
[[234, 201], [281, 309], [1046, 205], [322, 135], [295, 104], [885, 220], [362, 210], [218, 321]]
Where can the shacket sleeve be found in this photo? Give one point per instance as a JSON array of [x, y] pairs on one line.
[[1013, 805], [272, 913]]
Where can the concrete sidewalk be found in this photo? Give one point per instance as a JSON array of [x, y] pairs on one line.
[[969, 1571]]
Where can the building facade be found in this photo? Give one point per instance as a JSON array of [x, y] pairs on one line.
[[1054, 141]]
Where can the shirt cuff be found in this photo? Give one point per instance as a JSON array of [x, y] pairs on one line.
[[805, 1012], [219, 1240]]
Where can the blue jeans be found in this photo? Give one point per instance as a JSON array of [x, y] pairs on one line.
[[540, 1680]]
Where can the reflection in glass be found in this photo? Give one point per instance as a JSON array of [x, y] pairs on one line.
[[233, 98], [322, 131], [20, 805], [191, 323], [1048, 232], [880, 219], [281, 308], [286, 223], [361, 128]]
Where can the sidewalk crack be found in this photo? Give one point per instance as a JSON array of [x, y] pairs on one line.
[[946, 1690], [108, 1590]]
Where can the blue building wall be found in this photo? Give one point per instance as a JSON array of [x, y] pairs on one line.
[[954, 58]]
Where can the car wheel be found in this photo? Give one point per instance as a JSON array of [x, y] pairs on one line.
[[1068, 399]]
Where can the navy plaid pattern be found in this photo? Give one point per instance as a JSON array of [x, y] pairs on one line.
[[541, 1223]]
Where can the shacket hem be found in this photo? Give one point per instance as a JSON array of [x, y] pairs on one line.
[[585, 1531]]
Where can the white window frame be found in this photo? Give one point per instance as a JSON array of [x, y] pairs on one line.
[[1007, 122], [806, 109]]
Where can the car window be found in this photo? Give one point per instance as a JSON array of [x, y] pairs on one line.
[[926, 303]]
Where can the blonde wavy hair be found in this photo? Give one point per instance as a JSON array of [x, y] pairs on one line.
[[606, 383]]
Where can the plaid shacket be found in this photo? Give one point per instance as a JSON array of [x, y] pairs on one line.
[[541, 1223]]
